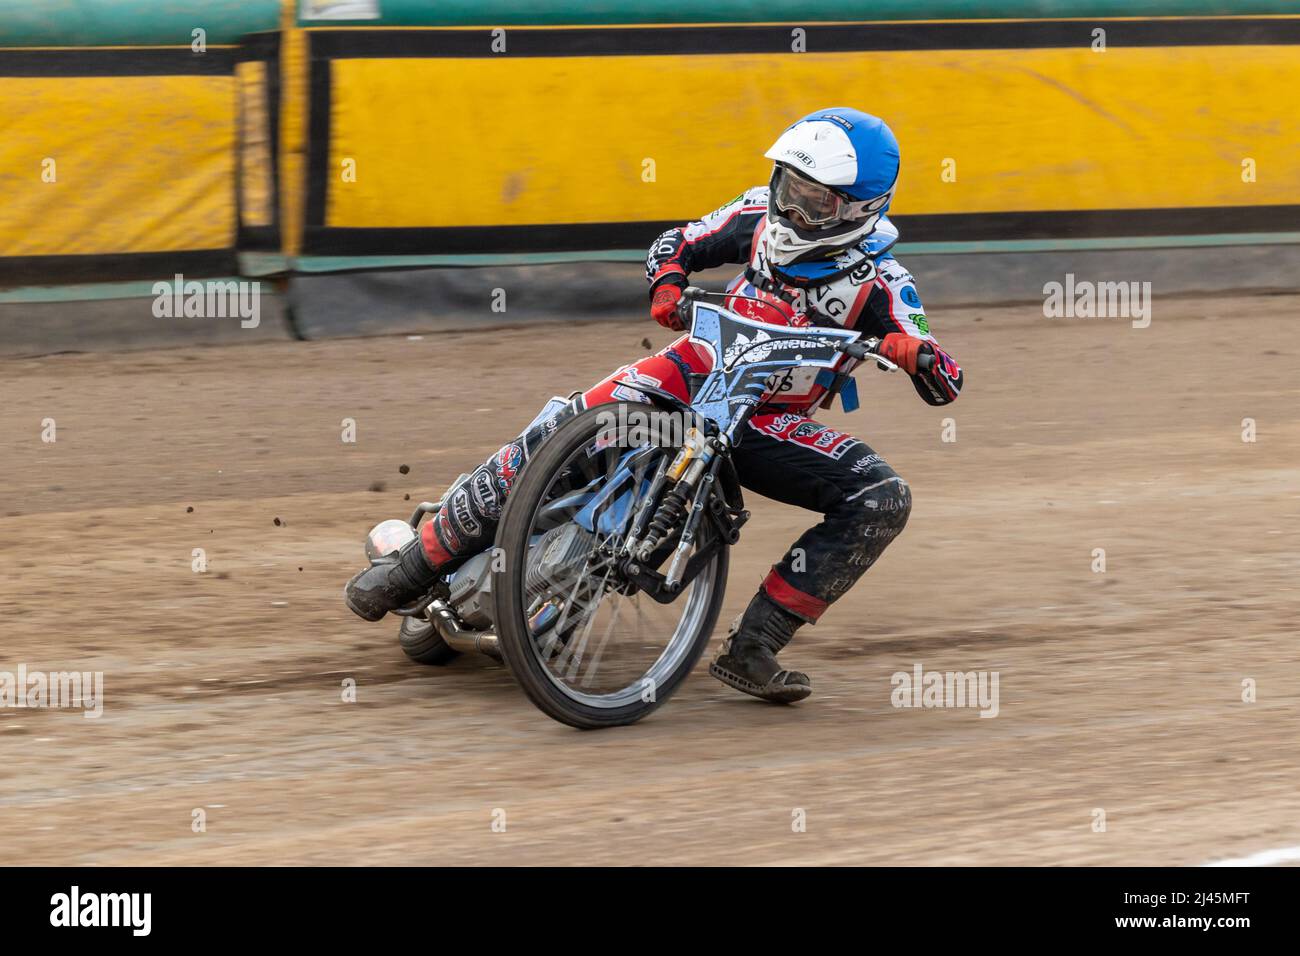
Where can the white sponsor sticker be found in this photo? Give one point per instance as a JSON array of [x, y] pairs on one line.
[[339, 9]]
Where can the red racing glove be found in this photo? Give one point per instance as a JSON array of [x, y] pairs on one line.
[[902, 350], [663, 306]]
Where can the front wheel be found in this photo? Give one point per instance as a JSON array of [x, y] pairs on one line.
[[589, 650]]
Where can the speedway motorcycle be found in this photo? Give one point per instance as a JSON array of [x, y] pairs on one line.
[[610, 560]]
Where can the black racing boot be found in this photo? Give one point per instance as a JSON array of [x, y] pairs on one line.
[[748, 661], [391, 582]]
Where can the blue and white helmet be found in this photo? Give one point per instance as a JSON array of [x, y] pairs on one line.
[[834, 176]]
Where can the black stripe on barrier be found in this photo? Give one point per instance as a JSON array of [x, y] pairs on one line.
[[319, 134], [157, 61], [262, 47], [119, 266], [928, 228], [1098, 223], [336, 43]]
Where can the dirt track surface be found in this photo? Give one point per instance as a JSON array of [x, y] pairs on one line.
[[1119, 691]]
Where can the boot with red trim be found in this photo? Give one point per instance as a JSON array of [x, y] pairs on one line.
[[747, 660]]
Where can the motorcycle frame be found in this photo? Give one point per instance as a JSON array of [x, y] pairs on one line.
[[734, 391]]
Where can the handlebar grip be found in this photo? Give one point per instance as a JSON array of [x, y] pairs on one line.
[[857, 350], [925, 362]]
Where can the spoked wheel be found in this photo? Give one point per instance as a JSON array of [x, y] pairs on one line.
[[588, 648]]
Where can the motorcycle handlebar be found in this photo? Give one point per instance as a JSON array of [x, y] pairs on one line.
[[861, 350], [865, 350]]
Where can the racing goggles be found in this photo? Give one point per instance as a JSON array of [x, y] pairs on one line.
[[818, 205]]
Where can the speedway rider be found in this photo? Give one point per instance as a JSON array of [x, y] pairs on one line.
[[815, 245]]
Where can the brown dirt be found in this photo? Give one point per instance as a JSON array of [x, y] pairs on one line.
[[1119, 691]]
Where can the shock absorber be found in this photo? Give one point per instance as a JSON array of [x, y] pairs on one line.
[[685, 470], [670, 511]]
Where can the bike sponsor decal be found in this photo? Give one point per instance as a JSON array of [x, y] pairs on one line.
[[715, 392], [946, 371], [808, 429], [803, 157], [866, 464], [447, 534], [720, 218], [771, 308], [834, 444], [663, 250], [855, 264], [780, 382], [762, 345], [538, 434], [509, 460], [484, 490], [835, 588], [894, 277], [542, 427], [339, 9], [833, 307], [938, 396], [634, 376], [864, 273], [778, 424], [667, 245], [463, 515], [800, 430]]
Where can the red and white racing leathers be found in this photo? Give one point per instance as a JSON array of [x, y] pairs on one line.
[[784, 455]]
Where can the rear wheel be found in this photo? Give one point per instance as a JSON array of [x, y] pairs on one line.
[[585, 649], [422, 642]]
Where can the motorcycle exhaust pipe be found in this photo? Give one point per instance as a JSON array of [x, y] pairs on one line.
[[462, 638]]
